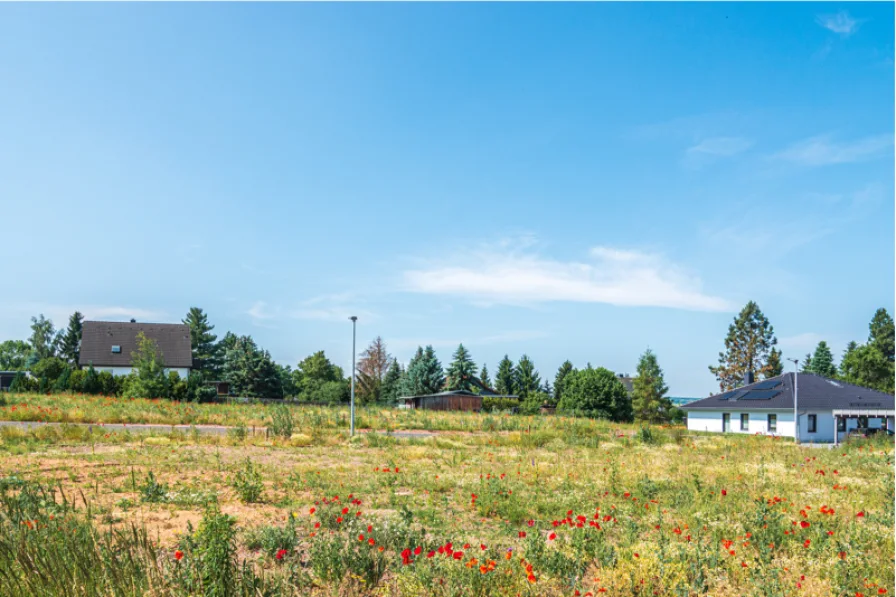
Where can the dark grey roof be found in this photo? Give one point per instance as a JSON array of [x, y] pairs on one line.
[[98, 338], [815, 392]]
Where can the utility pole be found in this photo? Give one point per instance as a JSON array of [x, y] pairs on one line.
[[796, 397], [354, 322]]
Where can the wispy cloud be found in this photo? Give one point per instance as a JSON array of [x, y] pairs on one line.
[[332, 307], [496, 275], [822, 150], [721, 146], [260, 311], [841, 23], [714, 148]]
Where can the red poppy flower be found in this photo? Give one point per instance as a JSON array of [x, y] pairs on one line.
[[178, 555], [552, 536], [860, 515], [417, 550], [807, 542], [724, 492], [522, 534], [458, 555], [280, 554], [804, 524]]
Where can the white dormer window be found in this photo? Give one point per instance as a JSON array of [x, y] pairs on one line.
[[116, 349]]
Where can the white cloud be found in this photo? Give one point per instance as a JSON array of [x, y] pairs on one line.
[[260, 310], [613, 276], [840, 23], [823, 151], [332, 307], [721, 146]]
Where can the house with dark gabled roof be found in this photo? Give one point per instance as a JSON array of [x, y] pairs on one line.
[[107, 345], [827, 408]]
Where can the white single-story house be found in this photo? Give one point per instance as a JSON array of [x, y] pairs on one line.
[[107, 345], [767, 407]]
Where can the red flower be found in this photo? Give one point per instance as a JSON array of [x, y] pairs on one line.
[[881, 591], [280, 554], [724, 492], [804, 524], [860, 515], [371, 541], [807, 542], [458, 555], [178, 555], [522, 534], [431, 554], [552, 536], [636, 555], [531, 523], [417, 550]]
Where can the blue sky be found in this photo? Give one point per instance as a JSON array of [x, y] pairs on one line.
[[576, 181]]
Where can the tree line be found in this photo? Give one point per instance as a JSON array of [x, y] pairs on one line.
[[751, 346], [52, 358]]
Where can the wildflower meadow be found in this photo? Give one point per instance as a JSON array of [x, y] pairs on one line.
[[483, 505]]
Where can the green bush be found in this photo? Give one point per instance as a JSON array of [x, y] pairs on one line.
[[491, 404], [23, 383], [271, 539], [51, 368], [282, 422], [151, 491], [76, 380], [248, 484], [110, 385]]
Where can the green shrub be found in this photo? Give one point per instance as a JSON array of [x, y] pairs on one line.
[[271, 539], [491, 404], [51, 368], [151, 491], [248, 484], [282, 422], [76, 380]]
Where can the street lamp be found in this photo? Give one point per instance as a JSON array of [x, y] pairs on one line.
[[796, 394], [354, 323]]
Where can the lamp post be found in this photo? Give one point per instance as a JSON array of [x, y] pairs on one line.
[[796, 395], [354, 323]]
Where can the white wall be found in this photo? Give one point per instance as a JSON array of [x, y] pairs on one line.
[[183, 372], [824, 428], [712, 421]]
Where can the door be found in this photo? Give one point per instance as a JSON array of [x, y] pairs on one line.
[[726, 422]]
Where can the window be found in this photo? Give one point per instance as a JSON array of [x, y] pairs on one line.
[[726, 422], [772, 423], [116, 348], [841, 424], [813, 421], [744, 421], [863, 422]]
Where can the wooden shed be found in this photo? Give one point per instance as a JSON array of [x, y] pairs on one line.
[[451, 400]]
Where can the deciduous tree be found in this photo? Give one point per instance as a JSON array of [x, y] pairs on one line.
[[43, 338], [14, 355], [375, 362], [596, 393]]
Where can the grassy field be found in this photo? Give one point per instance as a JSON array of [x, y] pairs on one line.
[[544, 506]]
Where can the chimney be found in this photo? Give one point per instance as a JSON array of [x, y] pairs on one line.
[[748, 378], [133, 320]]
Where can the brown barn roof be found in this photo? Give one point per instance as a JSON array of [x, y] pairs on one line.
[[98, 338]]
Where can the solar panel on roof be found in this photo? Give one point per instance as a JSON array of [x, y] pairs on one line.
[[728, 395], [767, 385], [760, 395]]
